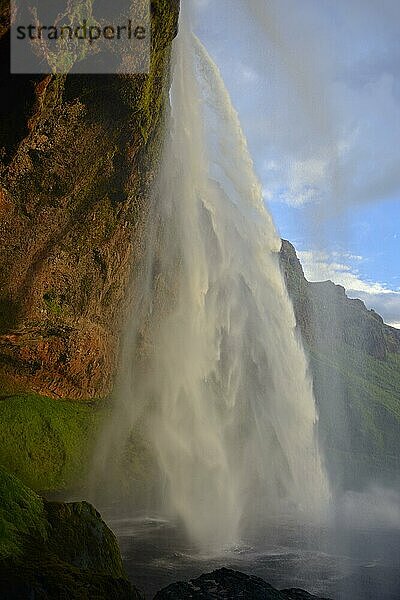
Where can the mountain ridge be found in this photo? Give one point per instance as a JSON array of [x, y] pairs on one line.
[[354, 361], [376, 338]]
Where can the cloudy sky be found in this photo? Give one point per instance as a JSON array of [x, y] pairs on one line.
[[317, 87]]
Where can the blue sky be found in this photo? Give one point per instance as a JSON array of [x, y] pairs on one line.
[[317, 87]]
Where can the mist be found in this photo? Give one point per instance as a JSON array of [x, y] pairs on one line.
[[376, 508]]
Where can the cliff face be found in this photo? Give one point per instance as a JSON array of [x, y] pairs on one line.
[[355, 362], [78, 156], [328, 318]]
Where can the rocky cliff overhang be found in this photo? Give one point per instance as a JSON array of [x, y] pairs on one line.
[[79, 155]]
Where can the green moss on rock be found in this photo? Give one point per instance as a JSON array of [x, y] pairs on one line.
[[53, 302], [78, 536], [48, 443], [55, 550], [22, 514]]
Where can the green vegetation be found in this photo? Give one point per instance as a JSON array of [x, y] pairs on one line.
[[152, 100], [80, 537], [21, 514], [47, 443], [56, 550], [355, 364], [359, 405], [53, 303]]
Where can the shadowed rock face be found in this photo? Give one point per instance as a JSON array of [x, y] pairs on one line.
[[226, 584], [79, 154], [327, 317]]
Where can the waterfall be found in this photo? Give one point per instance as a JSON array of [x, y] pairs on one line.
[[214, 368]]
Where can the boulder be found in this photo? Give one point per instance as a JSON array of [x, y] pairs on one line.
[[54, 550], [225, 584]]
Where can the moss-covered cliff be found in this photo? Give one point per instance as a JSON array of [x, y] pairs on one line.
[[49, 443], [79, 154]]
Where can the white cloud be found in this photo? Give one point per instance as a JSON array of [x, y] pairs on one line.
[[323, 94], [246, 73], [306, 179], [323, 266], [201, 4]]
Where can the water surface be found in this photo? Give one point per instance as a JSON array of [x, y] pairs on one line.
[[342, 564]]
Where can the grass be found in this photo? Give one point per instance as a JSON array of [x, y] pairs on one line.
[[372, 383], [47, 443], [359, 405]]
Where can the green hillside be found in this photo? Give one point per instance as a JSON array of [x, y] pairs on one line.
[[355, 364]]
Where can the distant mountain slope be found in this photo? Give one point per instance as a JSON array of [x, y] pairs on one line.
[[355, 362]]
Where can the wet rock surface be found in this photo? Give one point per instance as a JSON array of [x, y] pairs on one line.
[[226, 584], [78, 155], [54, 550]]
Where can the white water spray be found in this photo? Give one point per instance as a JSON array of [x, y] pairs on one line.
[[219, 378]]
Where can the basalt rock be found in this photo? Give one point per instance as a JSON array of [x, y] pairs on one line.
[[225, 584]]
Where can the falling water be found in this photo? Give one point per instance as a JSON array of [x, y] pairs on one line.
[[216, 370]]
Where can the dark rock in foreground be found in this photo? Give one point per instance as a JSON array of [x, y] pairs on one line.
[[226, 584], [57, 551]]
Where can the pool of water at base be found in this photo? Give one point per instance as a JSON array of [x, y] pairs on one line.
[[338, 563]]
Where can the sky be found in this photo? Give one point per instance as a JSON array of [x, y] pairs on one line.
[[316, 84]]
